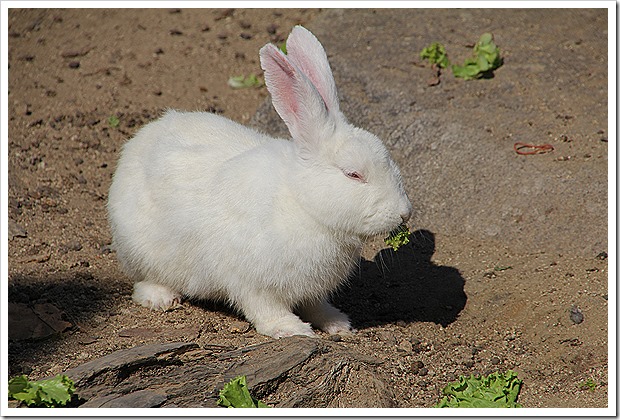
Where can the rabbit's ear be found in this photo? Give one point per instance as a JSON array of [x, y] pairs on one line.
[[307, 53], [295, 98]]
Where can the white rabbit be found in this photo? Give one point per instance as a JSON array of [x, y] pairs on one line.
[[205, 208]]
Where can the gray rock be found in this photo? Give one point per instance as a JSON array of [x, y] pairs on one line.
[[16, 231]]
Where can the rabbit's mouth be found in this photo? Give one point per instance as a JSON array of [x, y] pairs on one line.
[[384, 232]]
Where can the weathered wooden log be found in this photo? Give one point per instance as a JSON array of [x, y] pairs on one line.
[[291, 372]]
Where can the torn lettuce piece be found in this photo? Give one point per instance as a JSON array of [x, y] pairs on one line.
[[235, 394], [398, 237]]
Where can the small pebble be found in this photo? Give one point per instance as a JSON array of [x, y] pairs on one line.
[[88, 340], [73, 246], [335, 337], [405, 346], [272, 28], [224, 13], [239, 327], [386, 337], [423, 372], [495, 360], [576, 315], [74, 64], [16, 231], [416, 366]]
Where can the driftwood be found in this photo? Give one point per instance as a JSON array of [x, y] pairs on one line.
[[291, 372]]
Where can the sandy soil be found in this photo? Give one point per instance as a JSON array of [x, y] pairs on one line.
[[479, 305]]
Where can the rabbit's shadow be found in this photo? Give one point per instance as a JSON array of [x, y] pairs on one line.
[[403, 286]]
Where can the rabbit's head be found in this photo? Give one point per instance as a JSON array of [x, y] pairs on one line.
[[343, 175]]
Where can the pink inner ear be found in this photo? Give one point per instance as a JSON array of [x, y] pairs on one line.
[[295, 98], [280, 76], [307, 53]]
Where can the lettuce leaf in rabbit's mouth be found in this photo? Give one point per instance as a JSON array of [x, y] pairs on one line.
[[398, 237]]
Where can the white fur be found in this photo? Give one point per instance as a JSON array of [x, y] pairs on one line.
[[203, 207]]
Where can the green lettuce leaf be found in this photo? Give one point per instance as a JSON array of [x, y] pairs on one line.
[[241, 82], [435, 54], [235, 394], [486, 59], [54, 392], [493, 391]]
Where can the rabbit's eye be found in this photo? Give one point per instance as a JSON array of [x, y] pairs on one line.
[[355, 175]]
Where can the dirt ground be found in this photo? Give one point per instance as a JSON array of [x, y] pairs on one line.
[[443, 306]]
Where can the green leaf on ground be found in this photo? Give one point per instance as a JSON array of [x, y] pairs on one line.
[[436, 54], [235, 394], [242, 82], [486, 59], [113, 121], [54, 392], [589, 384], [495, 390]]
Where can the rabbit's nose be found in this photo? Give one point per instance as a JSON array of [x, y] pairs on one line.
[[405, 213]]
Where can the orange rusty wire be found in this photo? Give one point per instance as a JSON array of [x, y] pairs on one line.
[[536, 149]]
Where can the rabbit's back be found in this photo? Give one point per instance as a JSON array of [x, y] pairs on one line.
[[179, 136], [163, 181]]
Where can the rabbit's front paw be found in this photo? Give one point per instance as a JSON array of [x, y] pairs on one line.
[[155, 296], [286, 327]]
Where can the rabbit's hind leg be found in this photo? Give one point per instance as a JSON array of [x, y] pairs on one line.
[[155, 296]]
